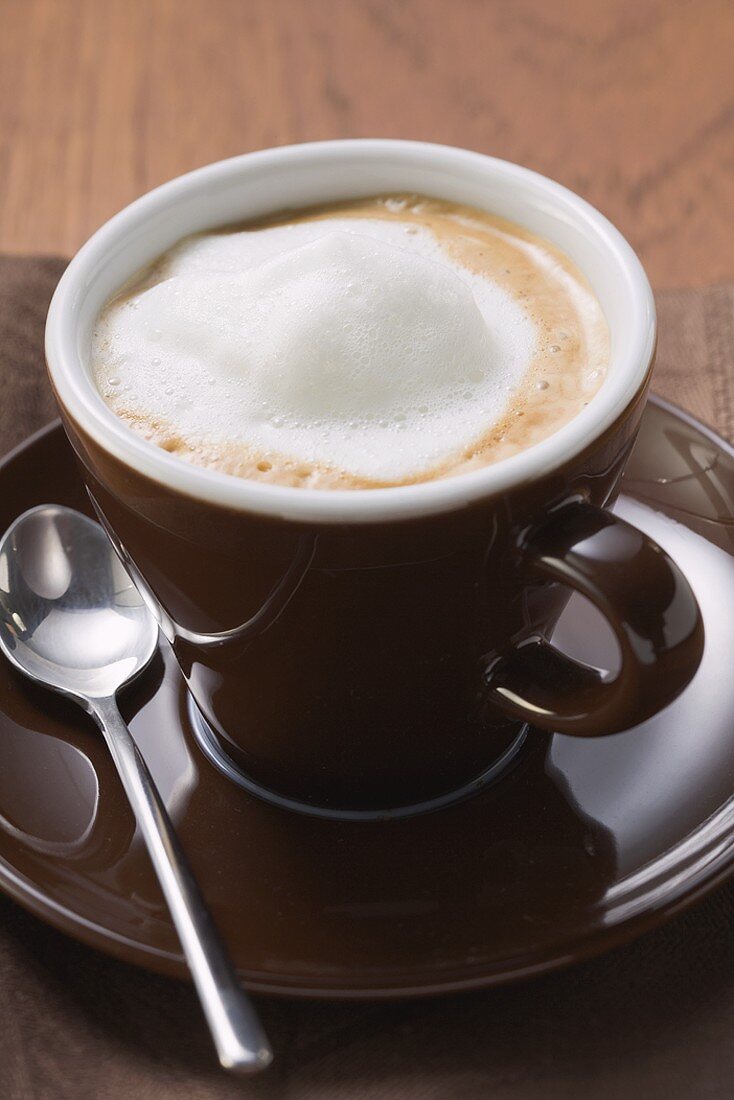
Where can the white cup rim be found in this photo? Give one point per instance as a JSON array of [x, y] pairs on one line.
[[84, 405]]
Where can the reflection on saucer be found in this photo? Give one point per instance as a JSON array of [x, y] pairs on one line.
[[60, 819], [689, 750]]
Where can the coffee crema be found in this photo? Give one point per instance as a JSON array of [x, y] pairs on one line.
[[379, 342]]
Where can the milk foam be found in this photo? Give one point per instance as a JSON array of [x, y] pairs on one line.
[[353, 343]]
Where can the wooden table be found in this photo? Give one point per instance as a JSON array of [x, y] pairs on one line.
[[630, 102]]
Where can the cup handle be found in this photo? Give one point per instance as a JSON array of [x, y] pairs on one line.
[[648, 603]]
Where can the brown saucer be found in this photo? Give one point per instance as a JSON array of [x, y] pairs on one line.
[[582, 845]]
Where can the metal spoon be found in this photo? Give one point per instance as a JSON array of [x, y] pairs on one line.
[[71, 618]]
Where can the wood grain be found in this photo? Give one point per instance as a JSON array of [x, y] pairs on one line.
[[630, 102]]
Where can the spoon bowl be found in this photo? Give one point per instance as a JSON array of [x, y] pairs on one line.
[[70, 617]]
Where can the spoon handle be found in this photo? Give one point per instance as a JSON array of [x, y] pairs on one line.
[[237, 1033]]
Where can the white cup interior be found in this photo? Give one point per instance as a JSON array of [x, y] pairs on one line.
[[295, 176]]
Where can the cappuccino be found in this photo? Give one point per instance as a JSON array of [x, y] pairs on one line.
[[380, 342]]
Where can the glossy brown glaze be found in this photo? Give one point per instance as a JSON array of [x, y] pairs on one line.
[[582, 844], [648, 603], [346, 666]]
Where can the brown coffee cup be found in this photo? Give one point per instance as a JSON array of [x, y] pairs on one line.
[[385, 649]]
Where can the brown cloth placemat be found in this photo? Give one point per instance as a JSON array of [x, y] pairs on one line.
[[652, 1019]]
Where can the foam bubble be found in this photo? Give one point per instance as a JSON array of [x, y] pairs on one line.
[[342, 342]]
